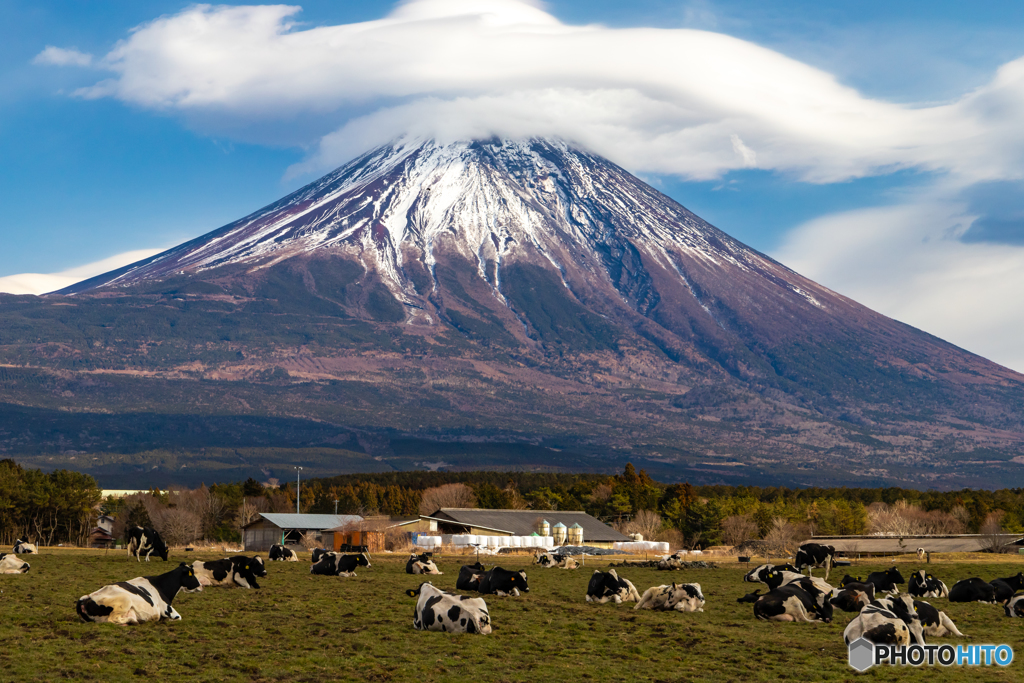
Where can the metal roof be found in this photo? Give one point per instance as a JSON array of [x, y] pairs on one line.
[[291, 520], [960, 543], [525, 522]]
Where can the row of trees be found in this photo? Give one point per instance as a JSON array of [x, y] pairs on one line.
[[50, 508]]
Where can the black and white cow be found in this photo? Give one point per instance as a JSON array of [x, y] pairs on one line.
[[282, 553], [610, 587], [819, 589], [230, 571], [679, 597], [853, 599], [23, 547], [878, 625], [935, 623], [972, 590], [336, 564], [925, 585], [904, 609], [498, 581], [812, 555], [11, 564], [439, 611], [145, 541], [789, 603], [144, 598], [317, 554], [548, 560], [469, 577], [1015, 606], [421, 564], [1005, 588], [758, 574]]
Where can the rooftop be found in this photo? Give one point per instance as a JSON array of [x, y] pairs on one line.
[[526, 522], [291, 520]]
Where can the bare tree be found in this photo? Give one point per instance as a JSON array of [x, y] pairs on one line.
[[738, 528], [251, 508], [179, 526], [644, 522], [779, 539], [447, 496], [991, 530], [308, 541]]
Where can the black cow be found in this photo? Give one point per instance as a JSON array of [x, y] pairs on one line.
[[1005, 588], [469, 577], [925, 585], [145, 541], [883, 581], [609, 586], [853, 599], [811, 555], [240, 571], [282, 553], [317, 554], [972, 590], [1015, 606], [790, 603], [336, 564], [498, 581], [439, 611], [933, 622], [144, 598]]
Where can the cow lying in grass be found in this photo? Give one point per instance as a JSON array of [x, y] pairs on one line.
[[852, 599], [884, 582], [144, 598], [679, 597], [421, 564], [23, 547], [549, 560], [1004, 589], [759, 574], [1015, 606], [935, 623], [469, 577], [230, 571], [11, 564], [336, 564], [282, 553], [610, 587], [439, 611], [972, 590], [887, 621], [502, 582], [925, 585], [789, 603]]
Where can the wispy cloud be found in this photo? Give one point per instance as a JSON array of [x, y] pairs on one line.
[[41, 283], [59, 56]]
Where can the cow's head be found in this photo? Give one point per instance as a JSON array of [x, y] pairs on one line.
[[518, 580], [413, 592], [849, 579], [189, 580], [824, 610], [750, 597], [363, 560], [849, 599], [258, 568]]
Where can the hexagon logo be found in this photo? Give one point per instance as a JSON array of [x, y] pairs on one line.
[[862, 654]]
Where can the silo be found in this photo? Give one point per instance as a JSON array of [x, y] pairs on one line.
[[575, 535], [545, 528], [558, 533]]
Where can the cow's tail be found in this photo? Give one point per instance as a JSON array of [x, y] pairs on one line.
[[642, 602], [949, 625]]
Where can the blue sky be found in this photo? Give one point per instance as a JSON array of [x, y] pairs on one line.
[[918, 216]]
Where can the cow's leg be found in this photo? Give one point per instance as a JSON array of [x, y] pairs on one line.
[[121, 609], [828, 566], [948, 624], [783, 617]]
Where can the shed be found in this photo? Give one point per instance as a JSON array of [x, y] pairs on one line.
[[897, 545], [521, 523], [369, 533], [288, 528]]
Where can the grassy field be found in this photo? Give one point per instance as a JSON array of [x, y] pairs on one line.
[[300, 627]]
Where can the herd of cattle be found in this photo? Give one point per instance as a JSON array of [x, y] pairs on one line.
[[895, 618]]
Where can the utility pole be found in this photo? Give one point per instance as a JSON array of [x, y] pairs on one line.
[[298, 491], [335, 507]]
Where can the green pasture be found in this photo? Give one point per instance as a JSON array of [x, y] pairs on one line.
[[300, 627]]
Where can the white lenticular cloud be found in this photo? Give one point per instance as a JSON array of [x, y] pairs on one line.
[[692, 103], [41, 283], [58, 56]]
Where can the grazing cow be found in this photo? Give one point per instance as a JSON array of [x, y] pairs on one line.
[[924, 585], [879, 626], [1015, 606], [1005, 588], [498, 581], [10, 564], [972, 590], [336, 564], [145, 598], [610, 587], [679, 597], [789, 603], [23, 547], [317, 554], [934, 623], [920, 554], [439, 611], [282, 553], [469, 577], [853, 599], [145, 542], [758, 574], [421, 564], [811, 555], [231, 571]]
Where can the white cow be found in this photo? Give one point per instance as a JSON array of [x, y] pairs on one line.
[[681, 597], [10, 564], [23, 547]]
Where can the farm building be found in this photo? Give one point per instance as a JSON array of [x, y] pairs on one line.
[[288, 528], [855, 546], [369, 533], [557, 523]]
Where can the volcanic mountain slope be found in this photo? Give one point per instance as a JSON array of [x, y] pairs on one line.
[[532, 291]]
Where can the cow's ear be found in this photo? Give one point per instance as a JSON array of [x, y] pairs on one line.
[[411, 593]]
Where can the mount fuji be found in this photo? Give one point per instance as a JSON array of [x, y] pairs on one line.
[[528, 292]]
